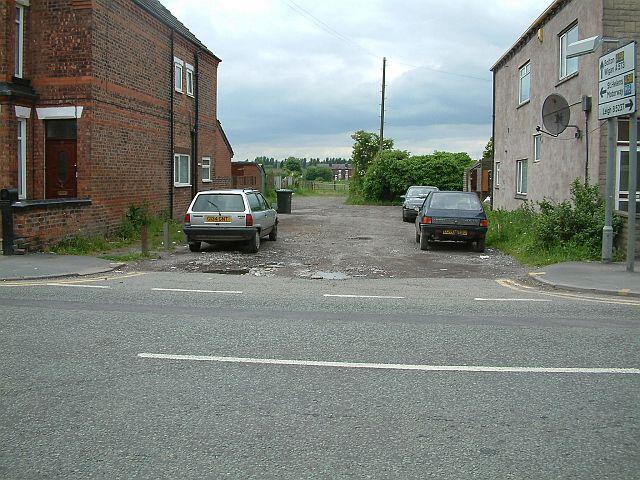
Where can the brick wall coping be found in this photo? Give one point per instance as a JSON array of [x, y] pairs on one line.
[[54, 202]]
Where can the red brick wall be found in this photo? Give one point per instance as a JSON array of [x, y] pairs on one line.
[[222, 157]]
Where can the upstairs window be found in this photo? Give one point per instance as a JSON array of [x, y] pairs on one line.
[[525, 83], [19, 43], [537, 146], [178, 66], [568, 66], [190, 80]]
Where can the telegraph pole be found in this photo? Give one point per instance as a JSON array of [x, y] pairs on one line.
[[384, 70]]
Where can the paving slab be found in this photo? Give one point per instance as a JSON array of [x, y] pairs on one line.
[[47, 265], [596, 277]]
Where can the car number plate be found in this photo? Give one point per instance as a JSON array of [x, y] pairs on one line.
[[455, 232], [210, 219]]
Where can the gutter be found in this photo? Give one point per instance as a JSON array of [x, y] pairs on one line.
[[171, 113]]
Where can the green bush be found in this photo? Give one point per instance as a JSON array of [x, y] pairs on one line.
[[552, 232], [318, 173], [392, 172]]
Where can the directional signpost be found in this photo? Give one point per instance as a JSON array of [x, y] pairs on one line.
[[617, 97], [617, 83]]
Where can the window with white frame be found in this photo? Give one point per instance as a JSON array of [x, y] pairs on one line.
[[496, 180], [622, 184], [568, 66], [19, 41], [206, 169], [22, 158], [190, 80], [181, 170], [537, 147], [525, 83], [177, 68], [521, 177]]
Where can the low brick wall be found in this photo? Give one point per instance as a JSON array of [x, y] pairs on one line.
[[38, 225]]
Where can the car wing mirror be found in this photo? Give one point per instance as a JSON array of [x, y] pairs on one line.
[[403, 197]]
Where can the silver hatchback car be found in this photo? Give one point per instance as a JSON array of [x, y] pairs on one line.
[[230, 216]]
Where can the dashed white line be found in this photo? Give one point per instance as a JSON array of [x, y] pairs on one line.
[[233, 292], [480, 299], [392, 366], [364, 296], [75, 285]]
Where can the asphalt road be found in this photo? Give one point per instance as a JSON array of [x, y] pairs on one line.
[[406, 385]]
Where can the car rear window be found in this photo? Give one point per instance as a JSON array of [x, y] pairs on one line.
[[415, 191], [455, 201], [218, 202]]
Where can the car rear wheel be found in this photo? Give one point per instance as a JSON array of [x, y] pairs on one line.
[[424, 242], [405, 218], [479, 246], [194, 246], [273, 236], [254, 243], [417, 236]]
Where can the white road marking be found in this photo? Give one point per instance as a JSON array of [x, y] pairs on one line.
[[75, 285], [392, 366], [233, 292], [510, 284], [363, 296], [479, 299]]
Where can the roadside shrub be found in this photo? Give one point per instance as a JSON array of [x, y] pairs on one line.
[[134, 218], [318, 173], [578, 222]]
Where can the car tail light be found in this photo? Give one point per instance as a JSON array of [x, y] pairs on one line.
[[484, 223], [249, 219], [426, 220], [187, 218]]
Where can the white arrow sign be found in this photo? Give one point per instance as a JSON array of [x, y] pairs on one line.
[[617, 108], [618, 62]]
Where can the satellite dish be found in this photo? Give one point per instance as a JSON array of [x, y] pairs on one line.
[[555, 114]]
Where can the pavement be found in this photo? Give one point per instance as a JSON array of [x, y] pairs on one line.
[[594, 277], [46, 265]]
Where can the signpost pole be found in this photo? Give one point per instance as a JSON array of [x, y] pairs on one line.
[[607, 230], [633, 181]]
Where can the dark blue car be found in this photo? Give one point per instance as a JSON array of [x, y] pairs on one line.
[[452, 217]]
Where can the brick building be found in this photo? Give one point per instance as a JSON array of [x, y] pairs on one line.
[[530, 165], [249, 175], [104, 104]]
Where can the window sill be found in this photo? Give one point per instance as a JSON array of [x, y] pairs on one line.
[[179, 91], [180, 185], [51, 202], [526, 102], [520, 196], [567, 78], [190, 95], [206, 181]]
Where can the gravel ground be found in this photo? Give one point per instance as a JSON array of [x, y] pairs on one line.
[[324, 238]]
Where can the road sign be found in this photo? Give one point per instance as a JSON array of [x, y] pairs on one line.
[[617, 86]]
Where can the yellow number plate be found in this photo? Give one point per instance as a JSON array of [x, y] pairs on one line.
[[217, 219], [454, 232]]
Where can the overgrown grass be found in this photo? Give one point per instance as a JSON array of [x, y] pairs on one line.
[[127, 235], [553, 232]]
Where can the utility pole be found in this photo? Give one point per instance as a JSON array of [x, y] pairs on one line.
[[384, 71]]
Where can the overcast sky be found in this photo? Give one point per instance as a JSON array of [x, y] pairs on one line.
[[298, 77]]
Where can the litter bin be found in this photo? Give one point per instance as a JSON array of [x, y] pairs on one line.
[[284, 200]]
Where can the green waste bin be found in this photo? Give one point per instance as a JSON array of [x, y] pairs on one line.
[[284, 200]]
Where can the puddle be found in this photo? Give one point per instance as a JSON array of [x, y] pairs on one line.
[[329, 276], [228, 271]]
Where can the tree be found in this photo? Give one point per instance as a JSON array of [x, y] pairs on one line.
[[318, 173], [366, 146], [292, 164], [488, 150]]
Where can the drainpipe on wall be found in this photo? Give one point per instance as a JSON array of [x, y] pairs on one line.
[[493, 143], [172, 86], [194, 133]]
